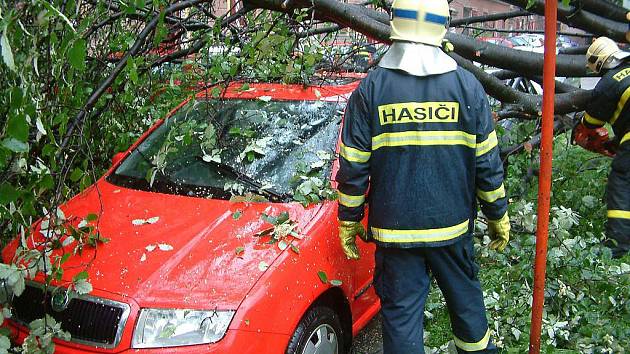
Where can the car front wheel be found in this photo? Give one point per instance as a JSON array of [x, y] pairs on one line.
[[319, 332]]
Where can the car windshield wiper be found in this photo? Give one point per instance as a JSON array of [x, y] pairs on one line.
[[249, 180]]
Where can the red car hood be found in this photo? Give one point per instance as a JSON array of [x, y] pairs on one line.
[[187, 258]]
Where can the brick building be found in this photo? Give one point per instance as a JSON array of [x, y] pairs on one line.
[[468, 8]]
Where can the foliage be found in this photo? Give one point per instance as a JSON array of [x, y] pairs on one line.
[[283, 231], [310, 185], [57, 54], [587, 292]]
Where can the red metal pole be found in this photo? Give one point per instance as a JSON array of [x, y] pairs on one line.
[[544, 180]]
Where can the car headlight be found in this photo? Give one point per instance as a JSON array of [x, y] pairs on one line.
[[171, 327]]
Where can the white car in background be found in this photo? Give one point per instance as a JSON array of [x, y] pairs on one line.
[[529, 42]]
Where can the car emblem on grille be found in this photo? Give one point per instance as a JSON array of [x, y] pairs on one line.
[[60, 299]]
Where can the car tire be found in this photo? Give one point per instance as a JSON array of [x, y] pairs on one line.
[[319, 332]]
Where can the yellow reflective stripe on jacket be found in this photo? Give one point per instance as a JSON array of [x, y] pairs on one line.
[[491, 196], [620, 105], [592, 120], [439, 137], [426, 235], [618, 214], [625, 138], [473, 347], [487, 145], [354, 155], [350, 201]]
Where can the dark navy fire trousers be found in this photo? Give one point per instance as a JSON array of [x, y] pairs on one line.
[[402, 280]]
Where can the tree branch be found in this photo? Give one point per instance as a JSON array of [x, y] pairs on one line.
[[105, 84], [579, 18], [561, 124], [612, 11], [526, 63], [200, 43], [316, 31], [564, 102]]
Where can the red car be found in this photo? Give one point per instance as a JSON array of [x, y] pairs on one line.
[[208, 250]]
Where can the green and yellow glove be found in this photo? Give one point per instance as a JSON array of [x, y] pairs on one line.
[[499, 232], [348, 230], [447, 46]]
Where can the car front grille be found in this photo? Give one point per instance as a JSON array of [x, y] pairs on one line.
[[89, 320]]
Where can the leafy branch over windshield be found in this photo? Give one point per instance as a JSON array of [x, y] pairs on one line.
[[232, 147]]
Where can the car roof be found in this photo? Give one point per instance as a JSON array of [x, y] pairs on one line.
[[290, 92]]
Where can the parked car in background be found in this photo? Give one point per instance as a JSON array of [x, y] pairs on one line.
[[498, 41], [210, 248], [565, 42], [528, 42], [517, 41]]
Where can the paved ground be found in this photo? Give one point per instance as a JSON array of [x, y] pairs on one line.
[[369, 340]]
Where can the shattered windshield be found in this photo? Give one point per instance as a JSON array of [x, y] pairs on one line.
[[222, 148]]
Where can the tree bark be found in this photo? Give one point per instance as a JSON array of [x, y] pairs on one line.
[[579, 18]]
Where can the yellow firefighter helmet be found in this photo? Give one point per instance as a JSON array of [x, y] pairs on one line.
[[603, 54], [419, 21]]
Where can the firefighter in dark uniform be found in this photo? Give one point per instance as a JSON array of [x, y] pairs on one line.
[[419, 132], [609, 104]]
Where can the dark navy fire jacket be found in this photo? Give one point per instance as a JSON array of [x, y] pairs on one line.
[[427, 149]]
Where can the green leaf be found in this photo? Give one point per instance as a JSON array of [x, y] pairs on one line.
[[16, 98], [58, 13], [5, 344], [4, 157], [336, 282], [160, 31], [76, 54], [19, 286], [47, 182], [82, 287], [270, 219], [131, 70], [263, 266], [91, 217], [65, 258], [8, 194], [7, 53], [76, 174], [17, 127], [81, 276], [167, 331], [15, 145], [322, 276], [282, 218]]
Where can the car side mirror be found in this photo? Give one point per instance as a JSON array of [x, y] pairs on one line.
[[117, 157]]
